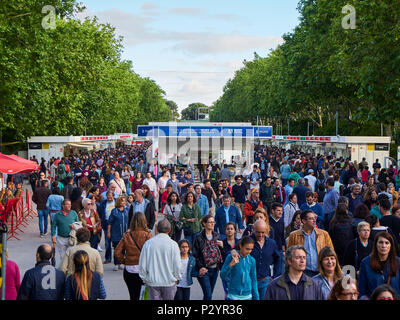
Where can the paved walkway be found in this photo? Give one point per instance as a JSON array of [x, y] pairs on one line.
[[23, 252]]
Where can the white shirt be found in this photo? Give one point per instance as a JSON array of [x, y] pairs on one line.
[[183, 282], [151, 183], [311, 181], [160, 261], [288, 212]]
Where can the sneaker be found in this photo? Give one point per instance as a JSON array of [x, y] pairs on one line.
[[115, 268], [46, 233], [99, 249], [106, 262], [121, 267], [41, 235]]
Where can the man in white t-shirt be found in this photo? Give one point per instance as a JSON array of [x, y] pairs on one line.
[[311, 179]]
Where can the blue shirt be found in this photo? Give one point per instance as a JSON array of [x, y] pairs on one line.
[[265, 257], [330, 201], [226, 213], [119, 223], [312, 254], [288, 190], [296, 290]]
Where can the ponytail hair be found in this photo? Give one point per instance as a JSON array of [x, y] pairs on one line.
[[83, 275]]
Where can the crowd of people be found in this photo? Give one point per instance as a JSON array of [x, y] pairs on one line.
[[284, 228]]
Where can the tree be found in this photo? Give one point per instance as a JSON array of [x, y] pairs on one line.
[[174, 110], [191, 112], [69, 80]]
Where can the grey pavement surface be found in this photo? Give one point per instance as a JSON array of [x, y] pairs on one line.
[[23, 252]]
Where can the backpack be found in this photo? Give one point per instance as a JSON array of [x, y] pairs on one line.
[[213, 175], [211, 253], [60, 170]]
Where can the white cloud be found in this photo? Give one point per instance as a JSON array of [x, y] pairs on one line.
[[187, 11], [149, 6], [214, 43]]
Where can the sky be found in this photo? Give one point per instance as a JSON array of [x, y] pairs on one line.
[[192, 48]]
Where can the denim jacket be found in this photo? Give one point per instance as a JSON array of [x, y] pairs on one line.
[[119, 223], [191, 270]]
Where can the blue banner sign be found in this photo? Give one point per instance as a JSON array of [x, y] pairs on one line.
[[204, 131]]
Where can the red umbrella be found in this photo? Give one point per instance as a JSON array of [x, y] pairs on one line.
[[14, 164]]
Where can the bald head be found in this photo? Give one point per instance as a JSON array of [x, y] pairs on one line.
[[44, 252], [260, 225], [260, 230]]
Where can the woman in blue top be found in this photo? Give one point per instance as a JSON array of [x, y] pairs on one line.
[[380, 267], [329, 270], [230, 243], [117, 226], [242, 273]]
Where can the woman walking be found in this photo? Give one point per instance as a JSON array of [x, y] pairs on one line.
[[329, 270], [128, 253], [206, 250], [84, 284], [90, 219], [381, 266], [172, 211], [117, 226], [190, 216]]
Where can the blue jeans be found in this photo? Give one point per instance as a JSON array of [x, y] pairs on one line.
[[107, 242], [262, 287], [128, 190], [43, 215], [207, 282], [114, 245], [52, 214], [283, 262]]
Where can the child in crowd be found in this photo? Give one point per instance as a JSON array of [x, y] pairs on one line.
[[242, 273]]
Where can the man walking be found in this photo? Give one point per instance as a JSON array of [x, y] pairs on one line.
[[330, 202], [40, 197], [266, 254], [312, 238], [239, 193], [63, 221], [160, 263], [43, 282], [227, 213], [294, 284], [105, 208], [310, 204], [82, 236], [201, 200]]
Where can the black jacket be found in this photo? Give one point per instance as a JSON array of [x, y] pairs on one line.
[[355, 252], [198, 247], [32, 283], [149, 213], [66, 192], [40, 197]]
